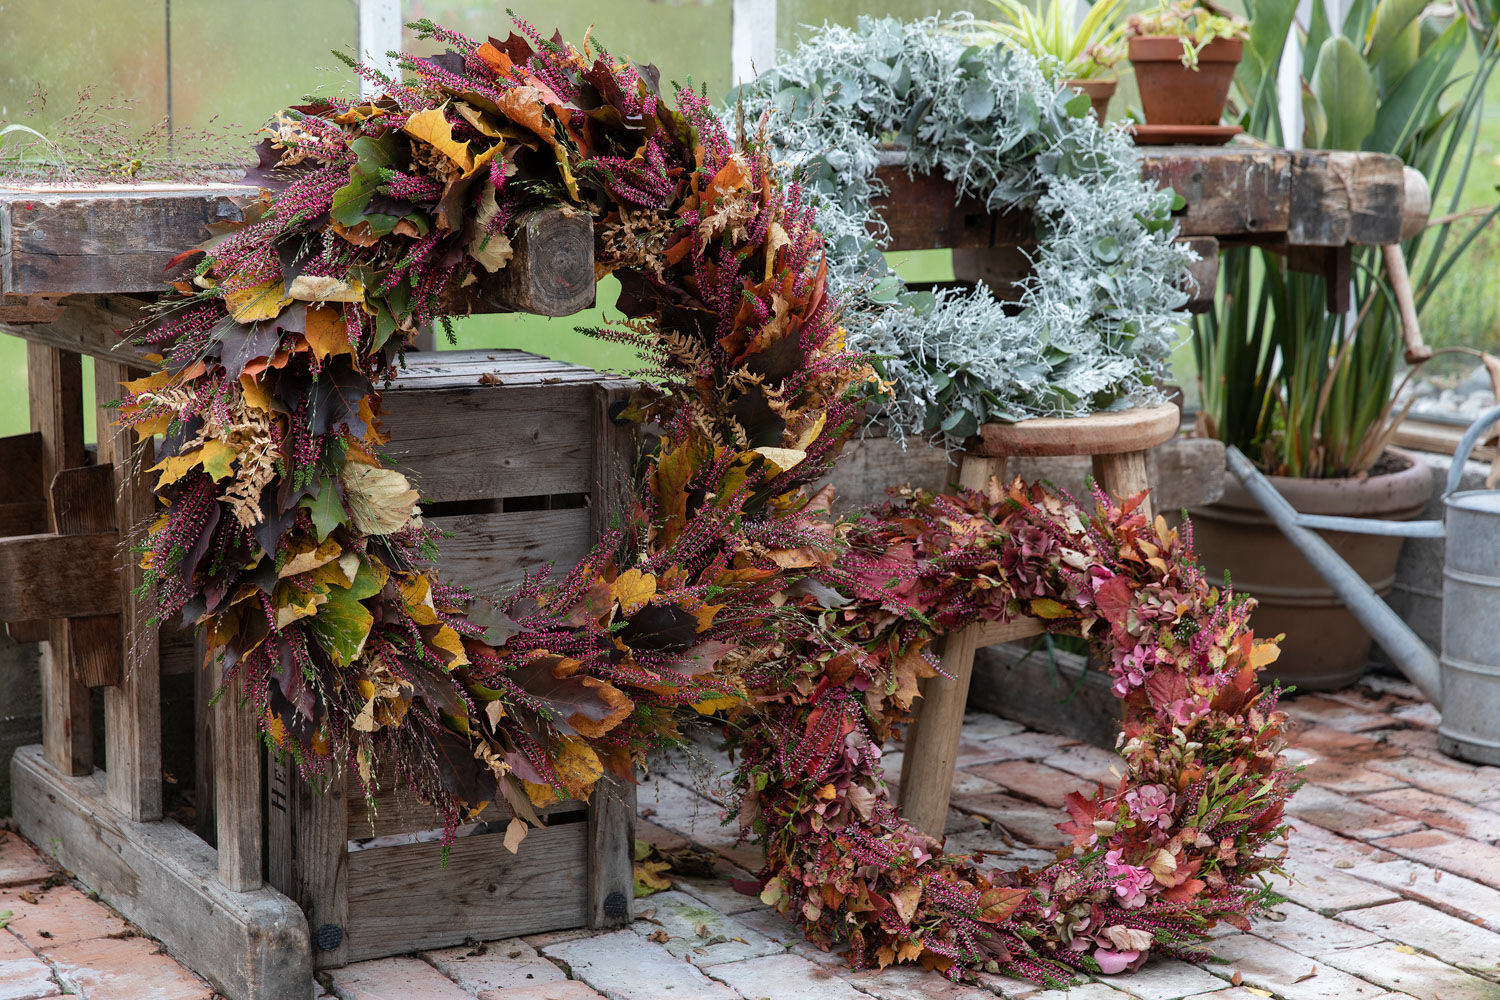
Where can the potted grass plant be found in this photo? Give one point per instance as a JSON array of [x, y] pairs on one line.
[[1313, 398], [1079, 54], [1184, 53]]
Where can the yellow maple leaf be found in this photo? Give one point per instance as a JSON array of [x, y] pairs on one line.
[[256, 396], [578, 766], [633, 589], [258, 302], [213, 456], [449, 641], [708, 706], [431, 126]]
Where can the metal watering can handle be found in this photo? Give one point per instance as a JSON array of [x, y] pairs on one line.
[[1466, 445]]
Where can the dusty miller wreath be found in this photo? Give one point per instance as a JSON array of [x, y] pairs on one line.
[[726, 585], [1095, 322]]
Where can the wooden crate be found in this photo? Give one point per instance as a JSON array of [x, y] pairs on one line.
[[518, 473]]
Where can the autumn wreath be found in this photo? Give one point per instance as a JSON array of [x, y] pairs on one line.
[[725, 584]]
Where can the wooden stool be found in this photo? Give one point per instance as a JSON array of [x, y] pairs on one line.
[[1118, 443]]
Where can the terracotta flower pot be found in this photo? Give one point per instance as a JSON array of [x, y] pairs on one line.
[[1100, 91], [1325, 647], [1173, 94]]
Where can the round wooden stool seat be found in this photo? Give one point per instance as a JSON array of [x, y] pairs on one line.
[[1097, 434]]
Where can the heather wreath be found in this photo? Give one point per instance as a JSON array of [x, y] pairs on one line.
[[725, 586]]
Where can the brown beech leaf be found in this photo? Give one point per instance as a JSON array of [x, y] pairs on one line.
[[515, 833]]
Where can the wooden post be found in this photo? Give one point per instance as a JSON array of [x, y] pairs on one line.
[[132, 708], [309, 857], [237, 790], [55, 390], [611, 833], [611, 853]]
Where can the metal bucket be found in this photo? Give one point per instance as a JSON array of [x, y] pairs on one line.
[[1464, 681], [1470, 656]]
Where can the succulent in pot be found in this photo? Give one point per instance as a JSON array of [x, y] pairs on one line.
[[1184, 53], [1079, 55]]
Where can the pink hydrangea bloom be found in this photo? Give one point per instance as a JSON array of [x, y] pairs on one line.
[[1184, 710], [1151, 804], [1130, 669], [1112, 962], [1131, 881]]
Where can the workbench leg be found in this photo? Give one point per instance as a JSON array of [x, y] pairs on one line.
[[55, 392], [237, 775], [931, 749], [132, 708], [611, 852], [1124, 475]]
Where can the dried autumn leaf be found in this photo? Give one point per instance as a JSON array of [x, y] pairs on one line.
[[380, 500], [515, 832], [905, 900], [326, 289], [490, 250], [327, 334], [782, 459]]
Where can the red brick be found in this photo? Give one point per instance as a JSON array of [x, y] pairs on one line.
[[1023, 820], [58, 916], [1032, 780], [126, 969], [395, 979], [23, 976], [1440, 812], [1350, 778], [495, 965], [1412, 974], [1466, 782], [1455, 941], [20, 863], [1327, 712], [1344, 815], [569, 989], [1469, 858]]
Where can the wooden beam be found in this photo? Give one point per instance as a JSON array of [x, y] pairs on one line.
[[132, 708], [1340, 197], [59, 576], [611, 853], [1230, 190], [1203, 274], [250, 945], [55, 395], [106, 238], [93, 325], [552, 270], [923, 212], [237, 767]]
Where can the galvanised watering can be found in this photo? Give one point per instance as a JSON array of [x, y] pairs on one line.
[[1464, 681]]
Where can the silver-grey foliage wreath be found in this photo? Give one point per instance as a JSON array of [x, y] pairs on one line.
[[1095, 322]]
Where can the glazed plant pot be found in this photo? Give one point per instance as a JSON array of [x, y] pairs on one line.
[[1174, 94], [1325, 647], [1100, 92]]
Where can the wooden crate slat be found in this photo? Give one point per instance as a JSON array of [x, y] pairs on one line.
[[489, 552], [89, 324], [59, 576], [532, 441], [402, 899], [397, 811]]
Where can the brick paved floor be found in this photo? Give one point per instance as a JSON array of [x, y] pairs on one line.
[[1396, 893]]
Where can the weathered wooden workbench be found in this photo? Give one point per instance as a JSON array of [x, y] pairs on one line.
[[76, 266], [1312, 205]]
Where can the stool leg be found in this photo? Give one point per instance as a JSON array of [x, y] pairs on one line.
[[1123, 475], [932, 739]]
